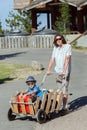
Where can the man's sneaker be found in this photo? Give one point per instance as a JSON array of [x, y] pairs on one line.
[[64, 112]]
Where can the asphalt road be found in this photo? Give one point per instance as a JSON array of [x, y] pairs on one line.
[[76, 120]]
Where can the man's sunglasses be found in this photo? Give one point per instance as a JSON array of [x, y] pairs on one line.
[[58, 39]]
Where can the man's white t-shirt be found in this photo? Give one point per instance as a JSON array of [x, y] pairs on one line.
[[59, 54]]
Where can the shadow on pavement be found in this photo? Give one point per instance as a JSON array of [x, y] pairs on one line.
[[3, 57], [78, 103], [74, 106], [5, 79], [23, 118]]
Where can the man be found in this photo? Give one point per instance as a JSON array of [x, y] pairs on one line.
[[61, 55]]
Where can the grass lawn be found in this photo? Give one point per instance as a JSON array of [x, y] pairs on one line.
[[10, 71]]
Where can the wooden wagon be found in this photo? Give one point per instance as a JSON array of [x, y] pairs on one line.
[[40, 109]]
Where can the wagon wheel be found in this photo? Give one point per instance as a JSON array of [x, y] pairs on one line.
[[41, 116], [10, 115]]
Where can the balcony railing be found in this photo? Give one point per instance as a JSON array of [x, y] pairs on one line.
[[32, 41]]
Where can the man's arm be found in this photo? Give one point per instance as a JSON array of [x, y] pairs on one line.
[[67, 60], [50, 65]]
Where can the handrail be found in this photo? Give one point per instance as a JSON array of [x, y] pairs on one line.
[[84, 33]]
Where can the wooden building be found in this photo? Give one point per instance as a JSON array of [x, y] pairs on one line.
[[78, 11]]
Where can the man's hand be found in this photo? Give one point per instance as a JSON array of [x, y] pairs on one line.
[[48, 72]]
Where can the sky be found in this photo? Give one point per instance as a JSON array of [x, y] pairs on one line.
[[6, 6]]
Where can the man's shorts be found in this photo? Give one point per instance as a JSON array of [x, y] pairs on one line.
[[63, 84]]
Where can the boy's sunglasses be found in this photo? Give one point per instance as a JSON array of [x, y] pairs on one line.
[[30, 83]]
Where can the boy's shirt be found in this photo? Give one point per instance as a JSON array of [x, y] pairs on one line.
[[37, 89]]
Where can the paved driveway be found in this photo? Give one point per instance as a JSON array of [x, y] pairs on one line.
[[76, 120]]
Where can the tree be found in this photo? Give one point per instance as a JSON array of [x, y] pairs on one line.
[[19, 20], [1, 31], [11, 21], [63, 21]]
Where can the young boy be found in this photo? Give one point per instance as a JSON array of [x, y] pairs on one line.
[[32, 90], [30, 94]]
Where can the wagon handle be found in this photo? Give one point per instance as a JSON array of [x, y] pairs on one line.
[[63, 80], [43, 80]]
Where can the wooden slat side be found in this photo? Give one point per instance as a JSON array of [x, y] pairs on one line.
[[51, 90], [48, 102], [44, 100], [14, 106], [54, 102], [59, 100], [37, 103]]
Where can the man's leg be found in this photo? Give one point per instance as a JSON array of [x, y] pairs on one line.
[[65, 92]]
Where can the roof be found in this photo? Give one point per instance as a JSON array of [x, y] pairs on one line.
[[17, 33], [77, 3], [30, 4], [37, 3], [44, 31]]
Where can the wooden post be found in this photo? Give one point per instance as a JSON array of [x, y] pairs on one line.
[[44, 101], [36, 106], [34, 20], [80, 21], [59, 99], [48, 102], [14, 106], [54, 102]]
